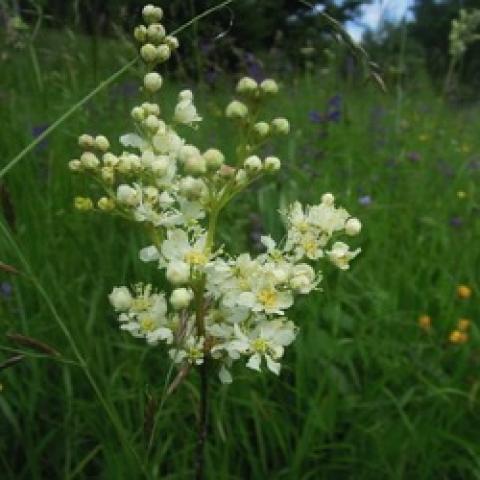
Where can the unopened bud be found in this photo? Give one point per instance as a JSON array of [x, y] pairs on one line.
[[253, 164], [163, 53], [153, 82], [281, 125], [269, 86], [247, 85], [272, 164], [353, 226], [156, 33], [86, 141], [140, 33], [236, 109], [261, 129], [214, 158], [102, 143], [152, 14], [149, 52]]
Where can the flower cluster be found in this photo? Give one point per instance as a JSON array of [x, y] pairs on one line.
[[463, 32], [217, 306]]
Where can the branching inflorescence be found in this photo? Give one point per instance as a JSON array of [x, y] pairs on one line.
[[217, 306]]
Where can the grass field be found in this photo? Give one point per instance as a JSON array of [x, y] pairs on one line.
[[366, 392]]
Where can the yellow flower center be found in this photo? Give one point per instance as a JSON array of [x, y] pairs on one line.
[[260, 345], [147, 324], [302, 226], [310, 246], [267, 297], [195, 258]]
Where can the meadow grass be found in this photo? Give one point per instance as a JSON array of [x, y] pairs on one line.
[[364, 393]]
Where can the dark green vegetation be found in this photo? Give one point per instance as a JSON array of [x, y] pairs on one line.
[[365, 393]]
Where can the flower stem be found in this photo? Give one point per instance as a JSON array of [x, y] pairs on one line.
[[202, 422]]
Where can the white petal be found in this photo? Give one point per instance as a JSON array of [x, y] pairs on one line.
[[254, 362], [273, 366], [133, 140]]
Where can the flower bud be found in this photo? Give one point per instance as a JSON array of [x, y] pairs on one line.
[[172, 42], [253, 164], [106, 204], [236, 109], [110, 160], [151, 109], [89, 160], [156, 33], [261, 129], [163, 53], [214, 158], [178, 272], [195, 165], [83, 203], [75, 165], [140, 33], [328, 199], [181, 298], [138, 114], [151, 193], [127, 195], [281, 125], [353, 226], [152, 82], [152, 123], [188, 151], [272, 164], [102, 143], [226, 171], [149, 52], [191, 188], [152, 14], [108, 174], [302, 279], [121, 299], [247, 85], [269, 86], [86, 141]]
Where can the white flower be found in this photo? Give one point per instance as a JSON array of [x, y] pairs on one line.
[[267, 340], [185, 111], [264, 297], [120, 298], [340, 255], [177, 247], [191, 351]]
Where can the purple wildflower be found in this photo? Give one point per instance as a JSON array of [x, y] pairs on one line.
[[6, 289], [365, 200], [456, 222]]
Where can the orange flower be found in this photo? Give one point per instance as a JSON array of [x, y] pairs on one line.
[[457, 337], [464, 292], [463, 324], [425, 322]]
